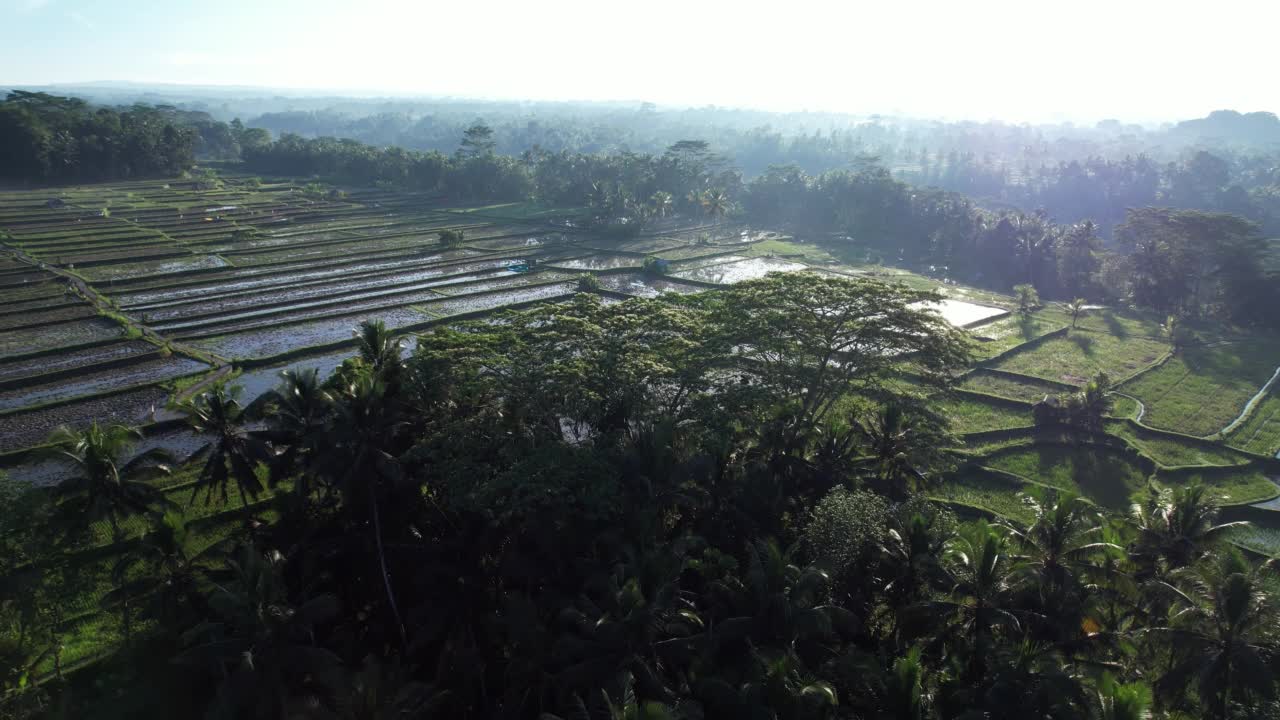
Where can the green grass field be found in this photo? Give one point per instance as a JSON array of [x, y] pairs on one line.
[[969, 414], [1173, 451], [1123, 407], [1122, 324], [1106, 476], [1203, 389], [1234, 487], [1075, 359], [986, 491], [1024, 389], [1260, 432], [1007, 333]]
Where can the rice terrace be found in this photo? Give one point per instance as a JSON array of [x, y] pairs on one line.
[[627, 375], [122, 298]]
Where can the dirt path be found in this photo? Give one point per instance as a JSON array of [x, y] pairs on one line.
[[1253, 401]]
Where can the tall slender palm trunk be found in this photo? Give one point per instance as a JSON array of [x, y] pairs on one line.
[[386, 577]]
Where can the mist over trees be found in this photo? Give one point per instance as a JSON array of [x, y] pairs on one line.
[[57, 139], [693, 506], [1207, 257]]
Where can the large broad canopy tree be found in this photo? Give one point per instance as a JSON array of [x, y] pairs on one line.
[[1187, 262], [815, 339]]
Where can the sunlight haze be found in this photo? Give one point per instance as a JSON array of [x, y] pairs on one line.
[[994, 59]]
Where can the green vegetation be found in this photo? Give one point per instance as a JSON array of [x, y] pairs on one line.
[[1025, 389], [1202, 389], [1008, 333], [1124, 407], [1257, 538], [970, 414], [733, 503], [996, 494], [808, 252], [1172, 451], [1260, 432], [1109, 477], [1083, 354]]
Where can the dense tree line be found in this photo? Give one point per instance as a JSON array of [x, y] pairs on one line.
[[1226, 162], [1196, 264], [685, 507], [44, 138], [1101, 189]]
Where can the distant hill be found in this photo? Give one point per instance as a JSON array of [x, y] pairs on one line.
[[1232, 128]]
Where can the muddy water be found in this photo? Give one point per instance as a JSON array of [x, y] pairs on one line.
[[26, 429], [644, 286], [467, 303], [251, 278], [293, 288], [274, 340], [963, 314], [601, 262], [306, 298], [22, 342], [73, 358], [101, 381], [735, 272]]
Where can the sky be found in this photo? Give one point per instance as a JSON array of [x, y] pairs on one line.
[[1012, 60]]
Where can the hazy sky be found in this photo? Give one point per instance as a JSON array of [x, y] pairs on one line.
[[1136, 60]]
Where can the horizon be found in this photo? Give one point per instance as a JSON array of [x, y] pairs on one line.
[[992, 62]]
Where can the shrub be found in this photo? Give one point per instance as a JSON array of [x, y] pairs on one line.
[[451, 238], [588, 283], [654, 266], [846, 527], [1028, 298]]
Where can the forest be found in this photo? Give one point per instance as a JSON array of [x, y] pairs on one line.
[[570, 465]]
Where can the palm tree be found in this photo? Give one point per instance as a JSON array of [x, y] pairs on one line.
[[661, 202], [1056, 562], [377, 346], [1177, 527], [233, 451], [100, 486], [1077, 309], [911, 556], [357, 460], [626, 707], [777, 605], [162, 568], [1223, 629], [905, 693], [262, 646], [1116, 701], [1059, 543], [893, 439], [386, 690], [381, 352], [1028, 680], [1028, 297], [715, 203], [296, 411], [983, 577], [1172, 332], [628, 624]]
